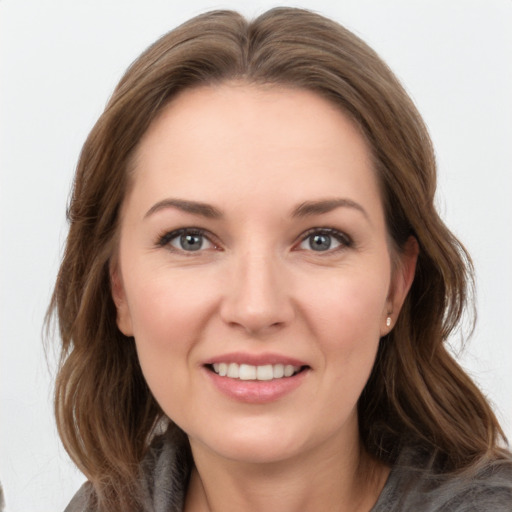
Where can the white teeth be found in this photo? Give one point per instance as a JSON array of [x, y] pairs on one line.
[[250, 372], [233, 370], [265, 372], [247, 372], [223, 369], [288, 370], [278, 371]]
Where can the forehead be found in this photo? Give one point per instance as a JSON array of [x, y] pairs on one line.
[[253, 141], [255, 113]]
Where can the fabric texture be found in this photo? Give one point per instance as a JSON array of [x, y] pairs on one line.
[[415, 485], [412, 485]]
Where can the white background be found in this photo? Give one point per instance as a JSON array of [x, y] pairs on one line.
[[59, 61]]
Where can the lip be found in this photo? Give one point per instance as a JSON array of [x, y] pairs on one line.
[[255, 391], [255, 359]]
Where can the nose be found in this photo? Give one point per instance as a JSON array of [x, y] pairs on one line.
[[257, 296]]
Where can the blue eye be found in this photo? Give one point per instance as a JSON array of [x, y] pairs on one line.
[[322, 240], [187, 240]]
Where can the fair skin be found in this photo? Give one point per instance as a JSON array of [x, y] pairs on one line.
[[254, 235]]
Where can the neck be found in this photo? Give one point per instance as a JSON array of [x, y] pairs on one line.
[[339, 480]]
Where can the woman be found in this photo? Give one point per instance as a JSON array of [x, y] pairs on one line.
[[256, 288]]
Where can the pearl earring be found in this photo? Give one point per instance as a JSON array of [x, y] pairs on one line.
[[388, 321]]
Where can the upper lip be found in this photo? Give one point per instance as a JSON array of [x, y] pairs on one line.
[[255, 359]]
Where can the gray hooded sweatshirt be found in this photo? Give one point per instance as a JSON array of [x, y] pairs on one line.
[[412, 486]]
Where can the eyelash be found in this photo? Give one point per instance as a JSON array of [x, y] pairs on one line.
[[165, 239], [344, 240]]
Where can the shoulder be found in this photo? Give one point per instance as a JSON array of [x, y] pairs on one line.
[[83, 500], [488, 487], [414, 485], [163, 478]]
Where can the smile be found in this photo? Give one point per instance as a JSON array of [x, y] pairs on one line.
[[251, 372]]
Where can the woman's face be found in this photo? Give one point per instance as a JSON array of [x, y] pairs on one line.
[[253, 243]]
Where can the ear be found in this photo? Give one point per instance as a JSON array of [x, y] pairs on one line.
[[123, 319], [401, 281]]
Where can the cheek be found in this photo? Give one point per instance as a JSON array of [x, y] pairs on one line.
[[348, 306], [168, 317], [168, 306], [346, 320]]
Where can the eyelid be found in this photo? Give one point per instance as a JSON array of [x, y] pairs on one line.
[[344, 239], [165, 238]]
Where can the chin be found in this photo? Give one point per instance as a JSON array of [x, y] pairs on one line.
[[256, 451], [257, 443]]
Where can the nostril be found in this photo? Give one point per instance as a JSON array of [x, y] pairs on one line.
[[258, 300]]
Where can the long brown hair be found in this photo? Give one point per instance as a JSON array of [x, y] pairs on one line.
[[105, 411]]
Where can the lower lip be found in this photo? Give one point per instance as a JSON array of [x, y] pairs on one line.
[[256, 391]]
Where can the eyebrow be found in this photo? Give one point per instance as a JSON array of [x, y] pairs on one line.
[[193, 207], [310, 208], [305, 209]]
